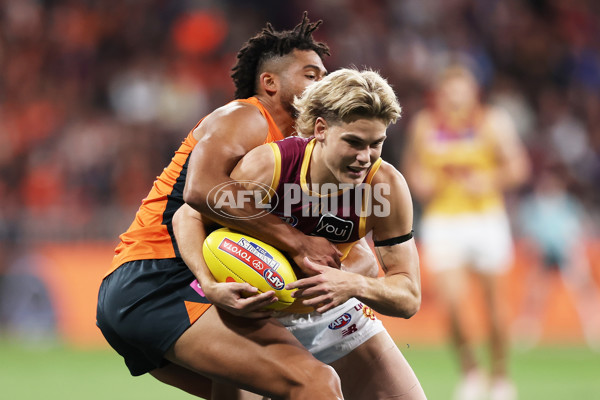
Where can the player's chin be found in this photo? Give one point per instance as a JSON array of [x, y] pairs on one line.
[[353, 176]]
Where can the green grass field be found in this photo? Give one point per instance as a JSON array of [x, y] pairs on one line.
[[59, 373]]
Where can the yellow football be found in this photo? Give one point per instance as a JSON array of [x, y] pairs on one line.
[[234, 256]]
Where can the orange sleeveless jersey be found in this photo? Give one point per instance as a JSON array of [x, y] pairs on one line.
[[150, 236]]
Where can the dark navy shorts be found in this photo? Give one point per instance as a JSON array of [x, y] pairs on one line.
[[145, 306]]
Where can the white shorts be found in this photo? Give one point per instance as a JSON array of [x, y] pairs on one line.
[[337, 332], [481, 241]]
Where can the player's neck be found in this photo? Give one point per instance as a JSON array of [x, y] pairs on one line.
[[282, 117], [318, 173]]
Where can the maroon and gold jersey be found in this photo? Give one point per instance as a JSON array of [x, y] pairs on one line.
[[339, 215]]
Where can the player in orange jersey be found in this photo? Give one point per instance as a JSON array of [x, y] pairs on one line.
[[461, 158], [150, 308]]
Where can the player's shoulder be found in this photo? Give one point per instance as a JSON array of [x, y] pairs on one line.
[[293, 143], [497, 122], [233, 117], [238, 111], [390, 189], [388, 174], [493, 114], [265, 155]]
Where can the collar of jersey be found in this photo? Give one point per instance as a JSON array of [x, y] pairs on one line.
[[304, 172]]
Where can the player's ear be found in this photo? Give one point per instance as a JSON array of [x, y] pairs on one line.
[[320, 129], [269, 83]]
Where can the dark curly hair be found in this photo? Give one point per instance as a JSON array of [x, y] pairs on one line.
[[268, 44]]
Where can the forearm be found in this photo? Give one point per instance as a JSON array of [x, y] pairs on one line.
[[237, 206], [392, 295], [259, 223], [396, 295], [266, 227], [189, 230]]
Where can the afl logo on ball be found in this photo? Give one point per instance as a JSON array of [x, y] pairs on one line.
[[274, 279], [256, 258], [341, 321]]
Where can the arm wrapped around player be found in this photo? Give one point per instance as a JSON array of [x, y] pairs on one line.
[[237, 298]]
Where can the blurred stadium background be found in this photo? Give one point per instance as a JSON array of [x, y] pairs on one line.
[[96, 95]]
